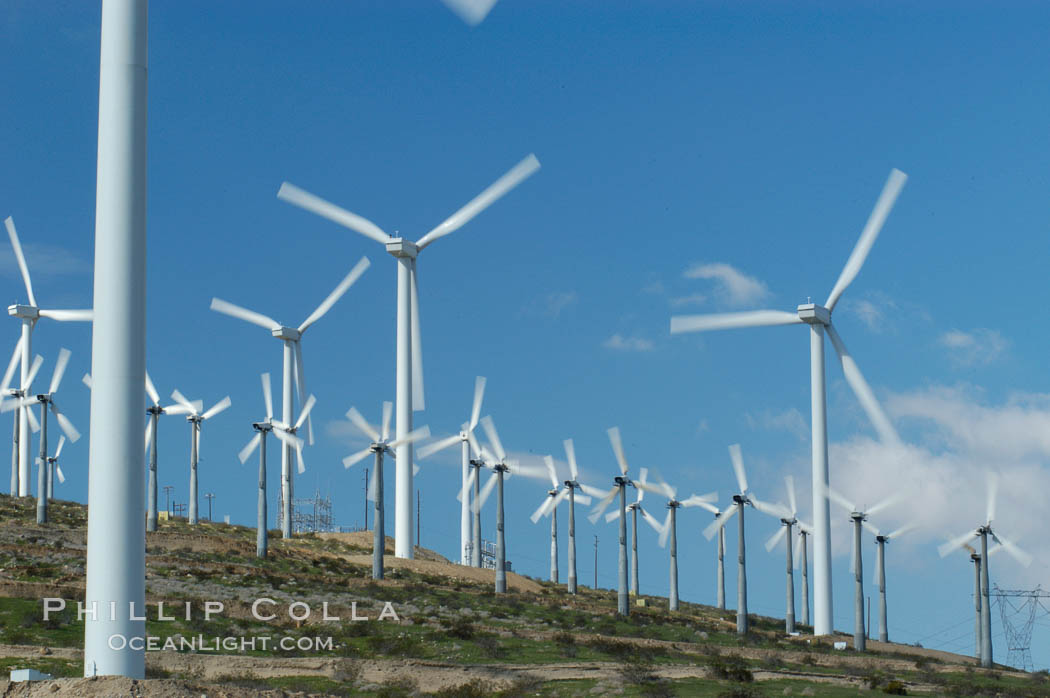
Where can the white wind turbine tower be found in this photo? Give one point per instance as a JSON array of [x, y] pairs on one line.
[[635, 507], [155, 411], [739, 500], [669, 528], [292, 357], [983, 532], [804, 532], [53, 468], [880, 571], [259, 441], [467, 553], [859, 517], [5, 392], [819, 320], [381, 445], [195, 419], [29, 314], [549, 507], [622, 481], [784, 533], [47, 402], [409, 358]]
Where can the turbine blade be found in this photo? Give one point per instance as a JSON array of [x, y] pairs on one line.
[[33, 423], [33, 370], [493, 437], [775, 539], [149, 434], [893, 186], [869, 528], [418, 398], [700, 500], [181, 399], [479, 395], [726, 321], [1015, 552], [60, 370], [414, 435], [612, 515], [300, 374], [738, 467], [776, 510], [61, 443], [305, 413], [217, 408], [362, 425], [433, 447], [81, 315], [267, 388], [86, 380], [570, 455], [336, 293], [911, 525], [236, 311], [886, 503], [60, 474], [592, 491], [797, 555], [151, 390], [617, 447], [355, 458], [945, 549], [388, 411], [992, 479], [10, 372], [645, 486], [63, 422], [720, 521], [465, 490], [583, 499], [247, 451], [789, 482], [603, 504], [288, 439], [303, 199], [372, 486], [662, 528], [549, 462], [471, 11], [862, 390], [542, 509], [836, 497], [515, 176], [478, 503], [21, 258], [878, 568], [643, 480], [299, 458]]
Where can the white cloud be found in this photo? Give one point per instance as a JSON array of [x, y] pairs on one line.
[[621, 343], [732, 286], [869, 313], [45, 261], [789, 420], [978, 347], [552, 304], [692, 299]]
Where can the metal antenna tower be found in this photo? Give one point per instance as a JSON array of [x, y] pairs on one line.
[[1018, 619]]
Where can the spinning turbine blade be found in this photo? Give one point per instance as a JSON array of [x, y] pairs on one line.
[[227, 308], [911, 525], [288, 439], [336, 294], [470, 11], [878, 568], [217, 408], [247, 451], [367, 429], [1015, 552], [33, 370], [797, 555], [300, 375], [181, 399], [775, 539], [372, 479], [869, 528], [84, 315], [303, 199], [151, 390], [720, 521], [478, 503], [479, 395], [149, 434], [640, 485], [846, 504], [267, 389], [414, 435], [418, 401], [646, 487], [738, 467], [86, 380], [559, 498], [893, 186], [432, 448], [581, 498], [702, 500], [570, 454], [60, 370], [612, 515], [515, 176], [64, 423], [664, 529], [493, 437], [617, 447], [862, 390], [305, 413], [465, 491], [60, 474], [61, 443], [945, 549], [355, 458], [789, 482], [10, 372], [992, 480], [550, 471], [725, 321], [20, 257], [33, 423], [601, 506], [388, 410], [542, 509], [299, 458], [886, 503], [593, 491], [778, 510]]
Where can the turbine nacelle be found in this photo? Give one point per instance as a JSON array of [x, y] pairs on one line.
[[286, 333], [30, 312], [399, 247], [814, 314]]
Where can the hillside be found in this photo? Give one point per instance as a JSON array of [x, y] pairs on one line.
[[453, 635]]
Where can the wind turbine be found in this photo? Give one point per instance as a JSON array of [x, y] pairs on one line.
[[549, 507], [880, 571], [5, 392], [259, 441], [804, 532], [669, 528], [1015, 552], [155, 411], [573, 485], [622, 481], [819, 320], [466, 553], [635, 507], [786, 524], [739, 500], [29, 314], [860, 519], [409, 358], [195, 419], [380, 446], [54, 468], [291, 337]]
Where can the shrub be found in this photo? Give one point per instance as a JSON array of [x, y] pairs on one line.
[[490, 646], [566, 643], [895, 688], [731, 667]]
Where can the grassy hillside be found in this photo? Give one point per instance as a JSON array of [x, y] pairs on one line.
[[454, 636]]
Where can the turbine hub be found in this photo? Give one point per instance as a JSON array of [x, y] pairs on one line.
[[814, 314], [23, 311], [289, 333]]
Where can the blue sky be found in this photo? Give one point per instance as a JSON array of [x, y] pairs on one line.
[[674, 137]]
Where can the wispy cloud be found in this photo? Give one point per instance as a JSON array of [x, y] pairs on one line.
[[732, 286], [790, 420], [655, 288], [620, 343], [691, 299], [45, 261], [978, 347], [551, 305]]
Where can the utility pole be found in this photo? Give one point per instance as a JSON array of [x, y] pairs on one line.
[[595, 562], [209, 496], [418, 510], [168, 489], [366, 500]]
